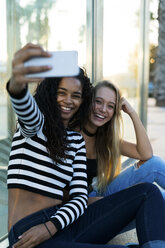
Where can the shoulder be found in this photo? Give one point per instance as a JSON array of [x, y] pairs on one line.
[[75, 138], [74, 134]]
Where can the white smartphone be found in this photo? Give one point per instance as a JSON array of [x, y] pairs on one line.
[[64, 64]]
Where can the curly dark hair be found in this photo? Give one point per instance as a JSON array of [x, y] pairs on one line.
[[53, 129]]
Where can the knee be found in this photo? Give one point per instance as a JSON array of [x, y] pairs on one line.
[[156, 160], [149, 187], [154, 164]]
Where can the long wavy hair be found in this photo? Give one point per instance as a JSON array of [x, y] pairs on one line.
[[53, 128], [108, 141]]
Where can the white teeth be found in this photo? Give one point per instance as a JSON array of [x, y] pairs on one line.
[[65, 108], [100, 116]]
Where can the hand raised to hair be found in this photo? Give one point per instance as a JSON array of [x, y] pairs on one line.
[[19, 80], [35, 236], [126, 107]]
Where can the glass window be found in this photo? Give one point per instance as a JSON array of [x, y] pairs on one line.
[[4, 147], [121, 36], [3, 72], [56, 25]]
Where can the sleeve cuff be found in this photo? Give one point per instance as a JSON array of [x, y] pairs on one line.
[[57, 223], [17, 96]]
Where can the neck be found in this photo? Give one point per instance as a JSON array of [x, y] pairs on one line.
[[65, 124], [88, 131]]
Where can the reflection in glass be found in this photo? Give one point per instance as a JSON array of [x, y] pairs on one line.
[[54, 24], [4, 148], [3, 71], [120, 49]]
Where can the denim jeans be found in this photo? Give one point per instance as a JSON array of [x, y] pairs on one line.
[[105, 218], [151, 171]]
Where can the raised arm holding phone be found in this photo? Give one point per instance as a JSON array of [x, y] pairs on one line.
[[40, 163]]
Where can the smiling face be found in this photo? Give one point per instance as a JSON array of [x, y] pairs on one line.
[[103, 106], [69, 97]]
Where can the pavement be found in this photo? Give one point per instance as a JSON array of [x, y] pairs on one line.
[[156, 132], [156, 127]]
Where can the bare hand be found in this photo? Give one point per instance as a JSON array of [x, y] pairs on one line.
[[126, 107], [33, 237], [19, 80]]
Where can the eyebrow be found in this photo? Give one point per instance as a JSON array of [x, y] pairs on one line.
[[75, 92], [114, 103]]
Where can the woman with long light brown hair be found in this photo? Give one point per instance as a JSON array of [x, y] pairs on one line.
[[101, 129]]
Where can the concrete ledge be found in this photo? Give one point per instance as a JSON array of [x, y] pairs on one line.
[[125, 238], [4, 242]]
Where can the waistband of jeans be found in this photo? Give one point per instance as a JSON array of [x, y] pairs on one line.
[[33, 219]]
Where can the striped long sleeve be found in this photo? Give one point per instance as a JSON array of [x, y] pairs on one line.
[[30, 117], [78, 192]]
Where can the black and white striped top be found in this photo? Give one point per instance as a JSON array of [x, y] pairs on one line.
[[31, 168]]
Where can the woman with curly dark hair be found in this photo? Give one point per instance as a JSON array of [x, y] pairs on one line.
[[46, 98], [45, 155]]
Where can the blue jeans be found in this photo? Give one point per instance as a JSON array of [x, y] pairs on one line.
[[151, 171], [105, 218]]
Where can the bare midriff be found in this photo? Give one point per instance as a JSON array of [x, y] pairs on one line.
[[22, 203]]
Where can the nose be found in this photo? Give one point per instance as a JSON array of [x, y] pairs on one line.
[[103, 108], [68, 99]]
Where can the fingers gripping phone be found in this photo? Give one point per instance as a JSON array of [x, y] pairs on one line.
[[63, 63]]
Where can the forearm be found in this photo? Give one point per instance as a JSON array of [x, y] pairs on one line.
[[19, 79], [143, 144], [29, 116], [36, 235]]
